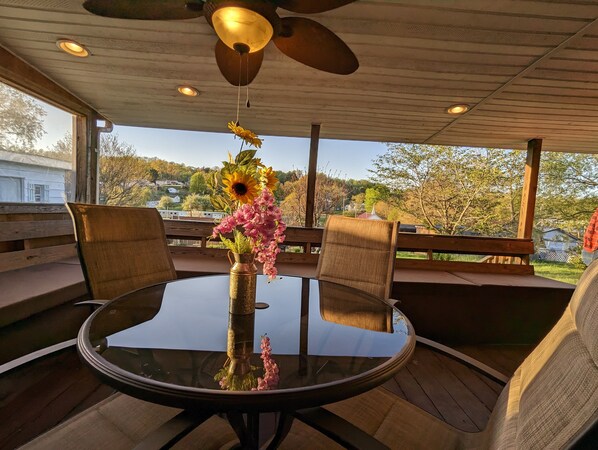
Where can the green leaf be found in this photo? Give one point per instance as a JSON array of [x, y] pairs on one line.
[[245, 157], [219, 203]]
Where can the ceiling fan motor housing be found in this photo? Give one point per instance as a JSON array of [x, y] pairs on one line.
[[264, 8]]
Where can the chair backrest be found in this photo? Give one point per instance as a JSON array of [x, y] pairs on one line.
[[553, 396], [120, 248], [340, 304], [359, 253]]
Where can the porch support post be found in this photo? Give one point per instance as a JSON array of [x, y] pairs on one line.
[[311, 175], [81, 139], [94, 153], [530, 187]]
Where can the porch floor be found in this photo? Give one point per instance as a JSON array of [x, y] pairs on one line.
[[35, 398]]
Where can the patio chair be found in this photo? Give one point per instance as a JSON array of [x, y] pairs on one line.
[[120, 248], [359, 253], [551, 401]]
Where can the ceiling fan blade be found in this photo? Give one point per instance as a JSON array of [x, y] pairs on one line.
[[145, 9], [311, 6], [316, 46], [234, 66]]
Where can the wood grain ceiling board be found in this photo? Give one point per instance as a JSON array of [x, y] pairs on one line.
[[528, 68]]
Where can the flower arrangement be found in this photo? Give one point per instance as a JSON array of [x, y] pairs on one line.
[[228, 380], [271, 377], [243, 188]]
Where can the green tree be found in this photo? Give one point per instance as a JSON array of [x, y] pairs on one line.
[[373, 195], [21, 120], [196, 202], [328, 199], [198, 184], [568, 190], [152, 175], [122, 173], [61, 149], [450, 189], [165, 202]]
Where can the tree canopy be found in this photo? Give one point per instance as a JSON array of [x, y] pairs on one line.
[[21, 120], [452, 190]]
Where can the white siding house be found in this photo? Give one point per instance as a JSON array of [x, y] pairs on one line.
[[34, 179], [558, 245]]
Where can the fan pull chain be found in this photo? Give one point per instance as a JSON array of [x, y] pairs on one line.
[[247, 85], [239, 87]]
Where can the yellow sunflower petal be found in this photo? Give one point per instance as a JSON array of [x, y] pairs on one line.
[[248, 136], [269, 178], [240, 186]]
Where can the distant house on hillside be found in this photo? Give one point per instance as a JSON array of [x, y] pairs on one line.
[[403, 228], [34, 179], [370, 216], [558, 245], [164, 183]]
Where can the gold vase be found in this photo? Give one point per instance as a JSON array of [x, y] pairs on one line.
[[243, 277], [240, 344]]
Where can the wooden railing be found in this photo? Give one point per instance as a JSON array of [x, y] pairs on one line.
[[28, 238], [502, 255], [306, 238]]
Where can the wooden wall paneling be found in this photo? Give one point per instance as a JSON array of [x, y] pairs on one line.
[[530, 187], [311, 176]]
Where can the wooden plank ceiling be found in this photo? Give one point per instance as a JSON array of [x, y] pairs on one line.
[[529, 69]]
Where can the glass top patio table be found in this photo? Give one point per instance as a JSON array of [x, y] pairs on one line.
[[167, 342]]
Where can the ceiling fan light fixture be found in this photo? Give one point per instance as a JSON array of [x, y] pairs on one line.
[[242, 28], [189, 91], [457, 109], [72, 48]]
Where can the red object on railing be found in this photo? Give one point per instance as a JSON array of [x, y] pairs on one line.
[[590, 238]]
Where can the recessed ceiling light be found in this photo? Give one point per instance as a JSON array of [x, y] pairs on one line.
[[72, 48], [189, 91], [457, 109]]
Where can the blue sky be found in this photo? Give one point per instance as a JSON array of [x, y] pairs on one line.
[[343, 159]]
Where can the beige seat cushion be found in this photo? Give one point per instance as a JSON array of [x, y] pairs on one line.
[[121, 248], [359, 253]]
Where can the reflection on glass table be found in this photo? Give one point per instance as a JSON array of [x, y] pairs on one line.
[[175, 342]]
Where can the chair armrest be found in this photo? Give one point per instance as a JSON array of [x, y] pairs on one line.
[[94, 303], [338, 429], [36, 355], [468, 360]]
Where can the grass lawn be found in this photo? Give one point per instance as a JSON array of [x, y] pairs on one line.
[[568, 273]]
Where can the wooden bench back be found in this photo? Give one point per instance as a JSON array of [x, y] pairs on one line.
[[29, 238]]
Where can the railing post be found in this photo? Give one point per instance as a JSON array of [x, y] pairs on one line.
[[530, 187], [311, 175], [311, 179]]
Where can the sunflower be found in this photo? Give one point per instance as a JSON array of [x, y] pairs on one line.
[[269, 178], [240, 186], [248, 136]]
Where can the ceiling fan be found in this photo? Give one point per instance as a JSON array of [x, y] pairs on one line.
[[245, 27]]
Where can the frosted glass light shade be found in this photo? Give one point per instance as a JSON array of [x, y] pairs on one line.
[[235, 25]]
